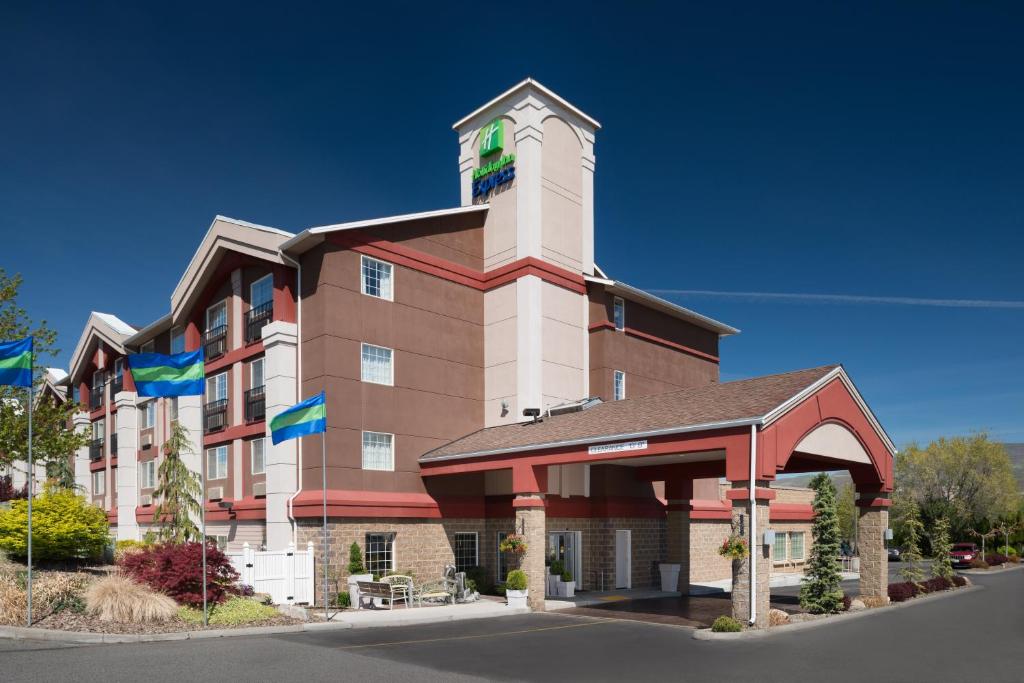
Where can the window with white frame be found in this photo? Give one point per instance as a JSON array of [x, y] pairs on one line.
[[147, 415], [378, 451], [619, 387], [147, 474], [796, 546], [217, 463], [261, 292], [779, 548], [467, 552], [376, 278], [177, 340], [258, 455], [619, 313], [256, 375], [99, 430], [217, 316], [380, 553], [217, 387], [99, 481], [377, 366], [789, 547], [172, 408], [501, 566]]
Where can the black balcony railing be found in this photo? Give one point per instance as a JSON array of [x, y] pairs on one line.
[[255, 404], [116, 385], [215, 415], [215, 342], [96, 397], [256, 319], [96, 449], [113, 445]]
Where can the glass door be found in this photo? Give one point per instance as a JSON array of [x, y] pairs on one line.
[[564, 546]]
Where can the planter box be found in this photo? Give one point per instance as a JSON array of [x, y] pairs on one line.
[[552, 584], [516, 598], [567, 589], [669, 576]]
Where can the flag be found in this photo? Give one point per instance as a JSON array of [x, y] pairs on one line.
[[156, 374], [308, 417], [16, 363]]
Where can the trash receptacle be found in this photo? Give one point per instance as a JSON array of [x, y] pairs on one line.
[[669, 577]]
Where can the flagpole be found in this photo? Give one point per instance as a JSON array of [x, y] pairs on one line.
[[323, 469], [202, 504], [31, 400]]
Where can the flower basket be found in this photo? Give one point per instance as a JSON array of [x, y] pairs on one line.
[[735, 548], [513, 543]]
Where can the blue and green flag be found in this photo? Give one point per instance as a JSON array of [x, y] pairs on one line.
[[157, 374], [308, 417], [16, 363]]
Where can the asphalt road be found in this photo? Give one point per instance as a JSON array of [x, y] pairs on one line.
[[970, 636]]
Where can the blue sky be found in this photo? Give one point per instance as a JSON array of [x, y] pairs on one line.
[[867, 151]]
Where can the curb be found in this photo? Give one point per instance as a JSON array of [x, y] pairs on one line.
[[708, 634], [86, 638], [988, 572]]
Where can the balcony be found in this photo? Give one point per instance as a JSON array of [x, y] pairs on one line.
[[113, 445], [255, 404], [96, 397], [96, 449], [256, 319], [116, 385], [215, 416], [215, 342]]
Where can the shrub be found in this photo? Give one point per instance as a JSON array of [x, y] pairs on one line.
[[245, 590], [343, 599], [872, 601], [938, 583], [128, 546], [64, 527], [995, 558], [176, 570], [516, 580], [355, 559], [566, 576], [777, 617], [1007, 550], [959, 581], [556, 568], [846, 602], [8, 568], [119, 598], [978, 563], [478, 579], [236, 611], [53, 592], [898, 592], [13, 601], [724, 624], [8, 490]]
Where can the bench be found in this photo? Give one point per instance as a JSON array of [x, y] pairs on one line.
[[382, 591]]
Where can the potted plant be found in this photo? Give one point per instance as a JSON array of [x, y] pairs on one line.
[[516, 590], [356, 573], [513, 543], [735, 548], [555, 570], [566, 585]]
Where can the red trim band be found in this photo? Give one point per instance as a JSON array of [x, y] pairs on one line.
[[744, 494], [633, 332]]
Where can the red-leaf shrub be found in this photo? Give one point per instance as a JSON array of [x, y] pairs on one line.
[[959, 581], [996, 559], [846, 602], [898, 592], [936, 584], [177, 570]]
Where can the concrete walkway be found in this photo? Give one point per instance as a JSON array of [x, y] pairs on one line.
[[402, 616]]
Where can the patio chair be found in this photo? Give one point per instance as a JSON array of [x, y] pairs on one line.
[[401, 586], [443, 590]]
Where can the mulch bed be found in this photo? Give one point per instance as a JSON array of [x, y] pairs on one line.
[[69, 621]]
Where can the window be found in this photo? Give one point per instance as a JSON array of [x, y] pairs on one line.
[[98, 378], [148, 347], [99, 430], [216, 316], [378, 453], [257, 454], [217, 387], [256, 373], [779, 549], [377, 366], [147, 474], [466, 551], [148, 415], [796, 546], [217, 463], [619, 313], [376, 278], [261, 292], [118, 368], [619, 388], [177, 340], [99, 480], [501, 567], [380, 553], [172, 409], [220, 539]]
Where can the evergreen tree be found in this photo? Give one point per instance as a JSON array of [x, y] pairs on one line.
[[942, 563], [355, 560], [178, 490], [912, 531], [820, 592]]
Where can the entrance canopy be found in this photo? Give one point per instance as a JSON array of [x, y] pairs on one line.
[[807, 420]]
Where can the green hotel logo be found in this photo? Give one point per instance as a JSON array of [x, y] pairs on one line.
[[492, 137]]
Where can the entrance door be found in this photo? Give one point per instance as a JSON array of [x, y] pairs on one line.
[[623, 558], [564, 546]]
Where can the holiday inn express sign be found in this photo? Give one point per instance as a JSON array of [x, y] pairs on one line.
[[500, 169]]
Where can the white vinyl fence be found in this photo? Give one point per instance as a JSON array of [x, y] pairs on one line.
[[286, 575]]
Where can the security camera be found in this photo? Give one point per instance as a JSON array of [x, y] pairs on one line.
[[531, 412]]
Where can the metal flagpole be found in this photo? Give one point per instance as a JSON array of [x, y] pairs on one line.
[[323, 467], [31, 472], [202, 504]]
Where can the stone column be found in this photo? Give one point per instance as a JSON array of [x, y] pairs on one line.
[[528, 486], [127, 466], [280, 378], [874, 564], [83, 478], [741, 578], [190, 416], [679, 491]]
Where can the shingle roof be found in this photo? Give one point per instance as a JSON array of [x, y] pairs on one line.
[[746, 399]]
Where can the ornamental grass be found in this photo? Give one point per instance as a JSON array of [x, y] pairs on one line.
[[120, 599]]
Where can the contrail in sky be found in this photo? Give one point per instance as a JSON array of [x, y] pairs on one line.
[[846, 299]]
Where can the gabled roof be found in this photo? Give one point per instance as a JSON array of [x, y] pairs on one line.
[[523, 85], [760, 400], [657, 303], [225, 234], [309, 238], [100, 326]]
